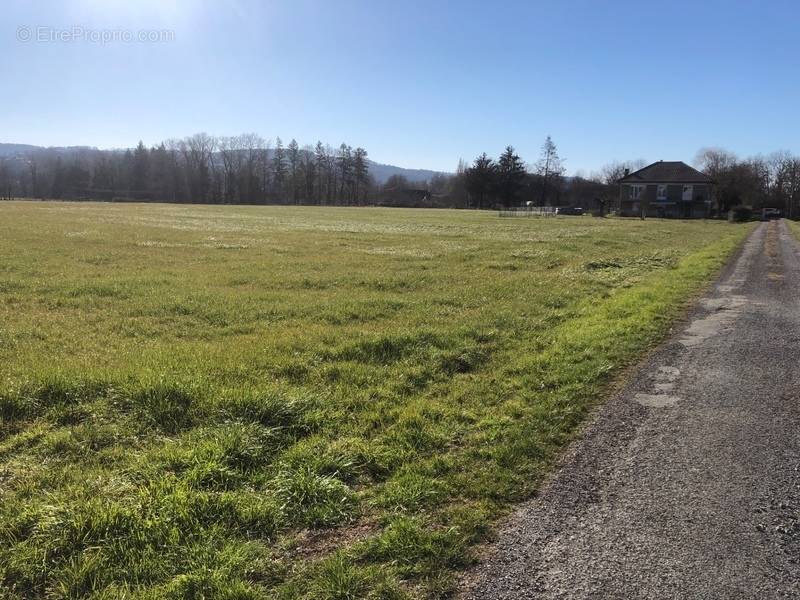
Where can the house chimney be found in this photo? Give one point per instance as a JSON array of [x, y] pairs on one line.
[[627, 172]]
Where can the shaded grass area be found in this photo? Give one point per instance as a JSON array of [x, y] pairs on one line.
[[794, 227], [241, 402]]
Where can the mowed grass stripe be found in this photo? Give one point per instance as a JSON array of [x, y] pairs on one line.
[[253, 402]]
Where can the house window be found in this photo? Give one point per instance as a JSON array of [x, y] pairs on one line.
[[635, 191], [661, 194], [687, 192]]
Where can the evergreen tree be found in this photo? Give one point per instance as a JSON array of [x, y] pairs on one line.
[[160, 173], [279, 168], [321, 159], [344, 161], [360, 172], [510, 176], [140, 169], [308, 168], [480, 178], [293, 154]]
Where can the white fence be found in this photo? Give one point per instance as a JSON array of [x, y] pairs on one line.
[[528, 211]]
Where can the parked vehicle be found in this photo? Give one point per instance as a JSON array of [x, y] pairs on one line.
[[770, 213], [573, 211]]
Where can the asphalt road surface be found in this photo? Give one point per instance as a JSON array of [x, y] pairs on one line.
[[687, 483]]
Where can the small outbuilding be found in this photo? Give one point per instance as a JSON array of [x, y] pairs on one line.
[[667, 189]]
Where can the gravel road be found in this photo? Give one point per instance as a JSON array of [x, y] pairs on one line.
[[687, 483]]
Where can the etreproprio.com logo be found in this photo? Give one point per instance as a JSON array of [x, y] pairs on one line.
[[43, 34]]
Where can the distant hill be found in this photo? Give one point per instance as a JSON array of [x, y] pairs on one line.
[[16, 149], [378, 171], [382, 172]]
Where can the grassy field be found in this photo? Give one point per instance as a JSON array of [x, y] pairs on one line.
[[258, 402]]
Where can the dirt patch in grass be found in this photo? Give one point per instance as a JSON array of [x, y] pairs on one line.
[[313, 544]]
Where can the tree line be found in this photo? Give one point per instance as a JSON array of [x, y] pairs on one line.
[[508, 181], [756, 182], [250, 169], [198, 169]]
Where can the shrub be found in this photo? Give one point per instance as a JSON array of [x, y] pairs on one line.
[[740, 214]]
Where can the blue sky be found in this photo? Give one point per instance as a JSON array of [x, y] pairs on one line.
[[419, 84]]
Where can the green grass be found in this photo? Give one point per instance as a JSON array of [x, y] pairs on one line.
[[253, 402], [794, 227]]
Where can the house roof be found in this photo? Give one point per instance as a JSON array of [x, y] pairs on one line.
[[665, 171]]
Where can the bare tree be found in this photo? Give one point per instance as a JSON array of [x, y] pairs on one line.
[[198, 156], [612, 172], [714, 161], [549, 168], [784, 176], [251, 145], [230, 154]]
